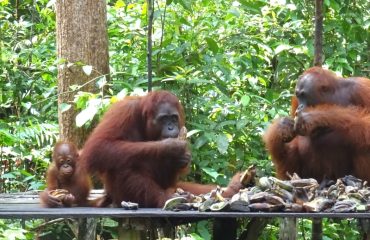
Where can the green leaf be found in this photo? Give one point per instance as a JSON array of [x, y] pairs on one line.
[[200, 142], [222, 143], [27, 105], [119, 4], [240, 124], [8, 176], [211, 172], [234, 12], [14, 234], [186, 4], [64, 107], [195, 236], [6, 138], [245, 100], [202, 228], [226, 123], [282, 47], [212, 45], [109, 223]]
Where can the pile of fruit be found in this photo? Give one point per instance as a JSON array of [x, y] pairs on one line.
[[269, 194]]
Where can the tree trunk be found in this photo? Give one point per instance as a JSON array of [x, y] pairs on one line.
[[81, 40], [150, 4], [318, 60], [318, 33]]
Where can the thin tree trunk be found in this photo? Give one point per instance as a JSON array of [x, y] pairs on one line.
[[318, 33], [150, 4], [81, 40], [318, 60]]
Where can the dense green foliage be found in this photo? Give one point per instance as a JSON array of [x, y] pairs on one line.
[[232, 63]]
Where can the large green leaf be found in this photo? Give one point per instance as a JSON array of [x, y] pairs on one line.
[[212, 44], [222, 143]]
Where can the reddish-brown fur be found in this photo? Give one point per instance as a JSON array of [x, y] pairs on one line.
[[320, 86], [332, 147], [77, 183], [135, 164], [349, 132]]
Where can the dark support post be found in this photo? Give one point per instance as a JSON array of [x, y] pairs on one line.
[[86, 228], [316, 229], [288, 229], [254, 229], [133, 229], [224, 229], [365, 228]]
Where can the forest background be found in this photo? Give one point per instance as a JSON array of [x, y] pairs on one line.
[[233, 64]]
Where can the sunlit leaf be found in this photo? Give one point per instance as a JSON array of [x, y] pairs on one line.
[[4, 2], [27, 105], [6, 138], [282, 47], [87, 69], [50, 3], [119, 4], [192, 132], [64, 107], [102, 81], [234, 12], [122, 93], [245, 100], [211, 172], [86, 115]]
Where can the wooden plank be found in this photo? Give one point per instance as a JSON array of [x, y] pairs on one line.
[[26, 205], [36, 211], [32, 197]]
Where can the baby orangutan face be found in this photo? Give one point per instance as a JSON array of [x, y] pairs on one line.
[[64, 157]]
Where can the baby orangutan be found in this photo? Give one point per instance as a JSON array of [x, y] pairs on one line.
[[67, 183]]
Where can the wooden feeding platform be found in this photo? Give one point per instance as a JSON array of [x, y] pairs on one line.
[[26, 206]]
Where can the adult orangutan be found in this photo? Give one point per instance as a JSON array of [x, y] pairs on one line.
[[320, 86], [67, 182], [136, 152], [327, 149]]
